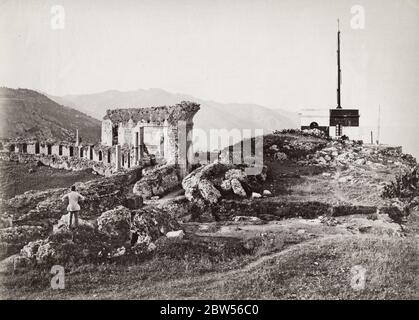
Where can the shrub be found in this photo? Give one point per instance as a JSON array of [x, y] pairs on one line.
[[404, 186]]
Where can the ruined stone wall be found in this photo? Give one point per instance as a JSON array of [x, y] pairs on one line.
[[125, 134], [165, 132], [63, 155], [106, 132], [60, 162], [157, 127]]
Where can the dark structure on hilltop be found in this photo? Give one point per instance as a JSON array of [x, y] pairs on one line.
[[338, 118]]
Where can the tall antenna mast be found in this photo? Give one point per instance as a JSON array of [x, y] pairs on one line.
[[339, 71]]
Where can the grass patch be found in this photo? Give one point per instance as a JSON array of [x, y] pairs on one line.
[[17, 178], [322, 270]]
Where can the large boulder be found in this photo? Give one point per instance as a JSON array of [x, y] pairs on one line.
[[149, 224], [40, 251], [116, 223], [237, 188], [208, 191], [215, 180], [201, 183], [157, 182]]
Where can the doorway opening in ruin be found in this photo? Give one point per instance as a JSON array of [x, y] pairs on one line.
[[60, 150], [24, 148], [123, 160], [129, 160], [81, 152], [100, 155], [12, 148], [162, 146], [37, 148], [71, 151], [114, 135], [91, 153], [109, 156], [49, 148]]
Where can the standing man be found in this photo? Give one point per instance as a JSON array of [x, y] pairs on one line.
[[73, 207]]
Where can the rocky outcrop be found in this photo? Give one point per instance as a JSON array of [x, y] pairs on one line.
[[116, 233], [347, 152], [213, 181], [279, 146], [86, 245], [12, 239], [148, 224], [45, 208], [200, 183], [158, 181], [116, 223]]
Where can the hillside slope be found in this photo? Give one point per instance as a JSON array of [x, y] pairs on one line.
[[30, 114], [213, 115]]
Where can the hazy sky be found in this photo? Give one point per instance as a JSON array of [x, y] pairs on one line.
[[278, 53]]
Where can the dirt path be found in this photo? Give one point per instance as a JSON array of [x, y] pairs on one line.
[[215, 280]]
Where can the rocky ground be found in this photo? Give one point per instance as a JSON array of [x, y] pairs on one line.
[[317, 209]]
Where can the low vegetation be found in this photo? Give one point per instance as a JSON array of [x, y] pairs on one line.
[[17, 178], [327, 216]]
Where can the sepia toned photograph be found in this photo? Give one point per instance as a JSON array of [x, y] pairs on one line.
[[202, 150]]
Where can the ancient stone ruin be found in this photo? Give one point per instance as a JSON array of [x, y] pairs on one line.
[[164, 132], [130, 137]]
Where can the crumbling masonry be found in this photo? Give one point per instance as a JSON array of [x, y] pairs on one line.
[[130, 137]]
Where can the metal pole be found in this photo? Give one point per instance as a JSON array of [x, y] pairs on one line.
[[339, 72]]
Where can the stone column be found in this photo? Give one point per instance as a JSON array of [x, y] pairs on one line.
[[161, 146], [136, 141], [141, 143], [171, 145], [183, 146], [165, 140], [77, 138], [117, 157]]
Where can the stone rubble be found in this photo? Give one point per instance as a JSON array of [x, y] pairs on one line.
[[211, 182], [157, 182]]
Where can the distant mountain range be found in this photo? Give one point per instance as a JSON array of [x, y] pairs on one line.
[[30, 114], [213, 115]]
